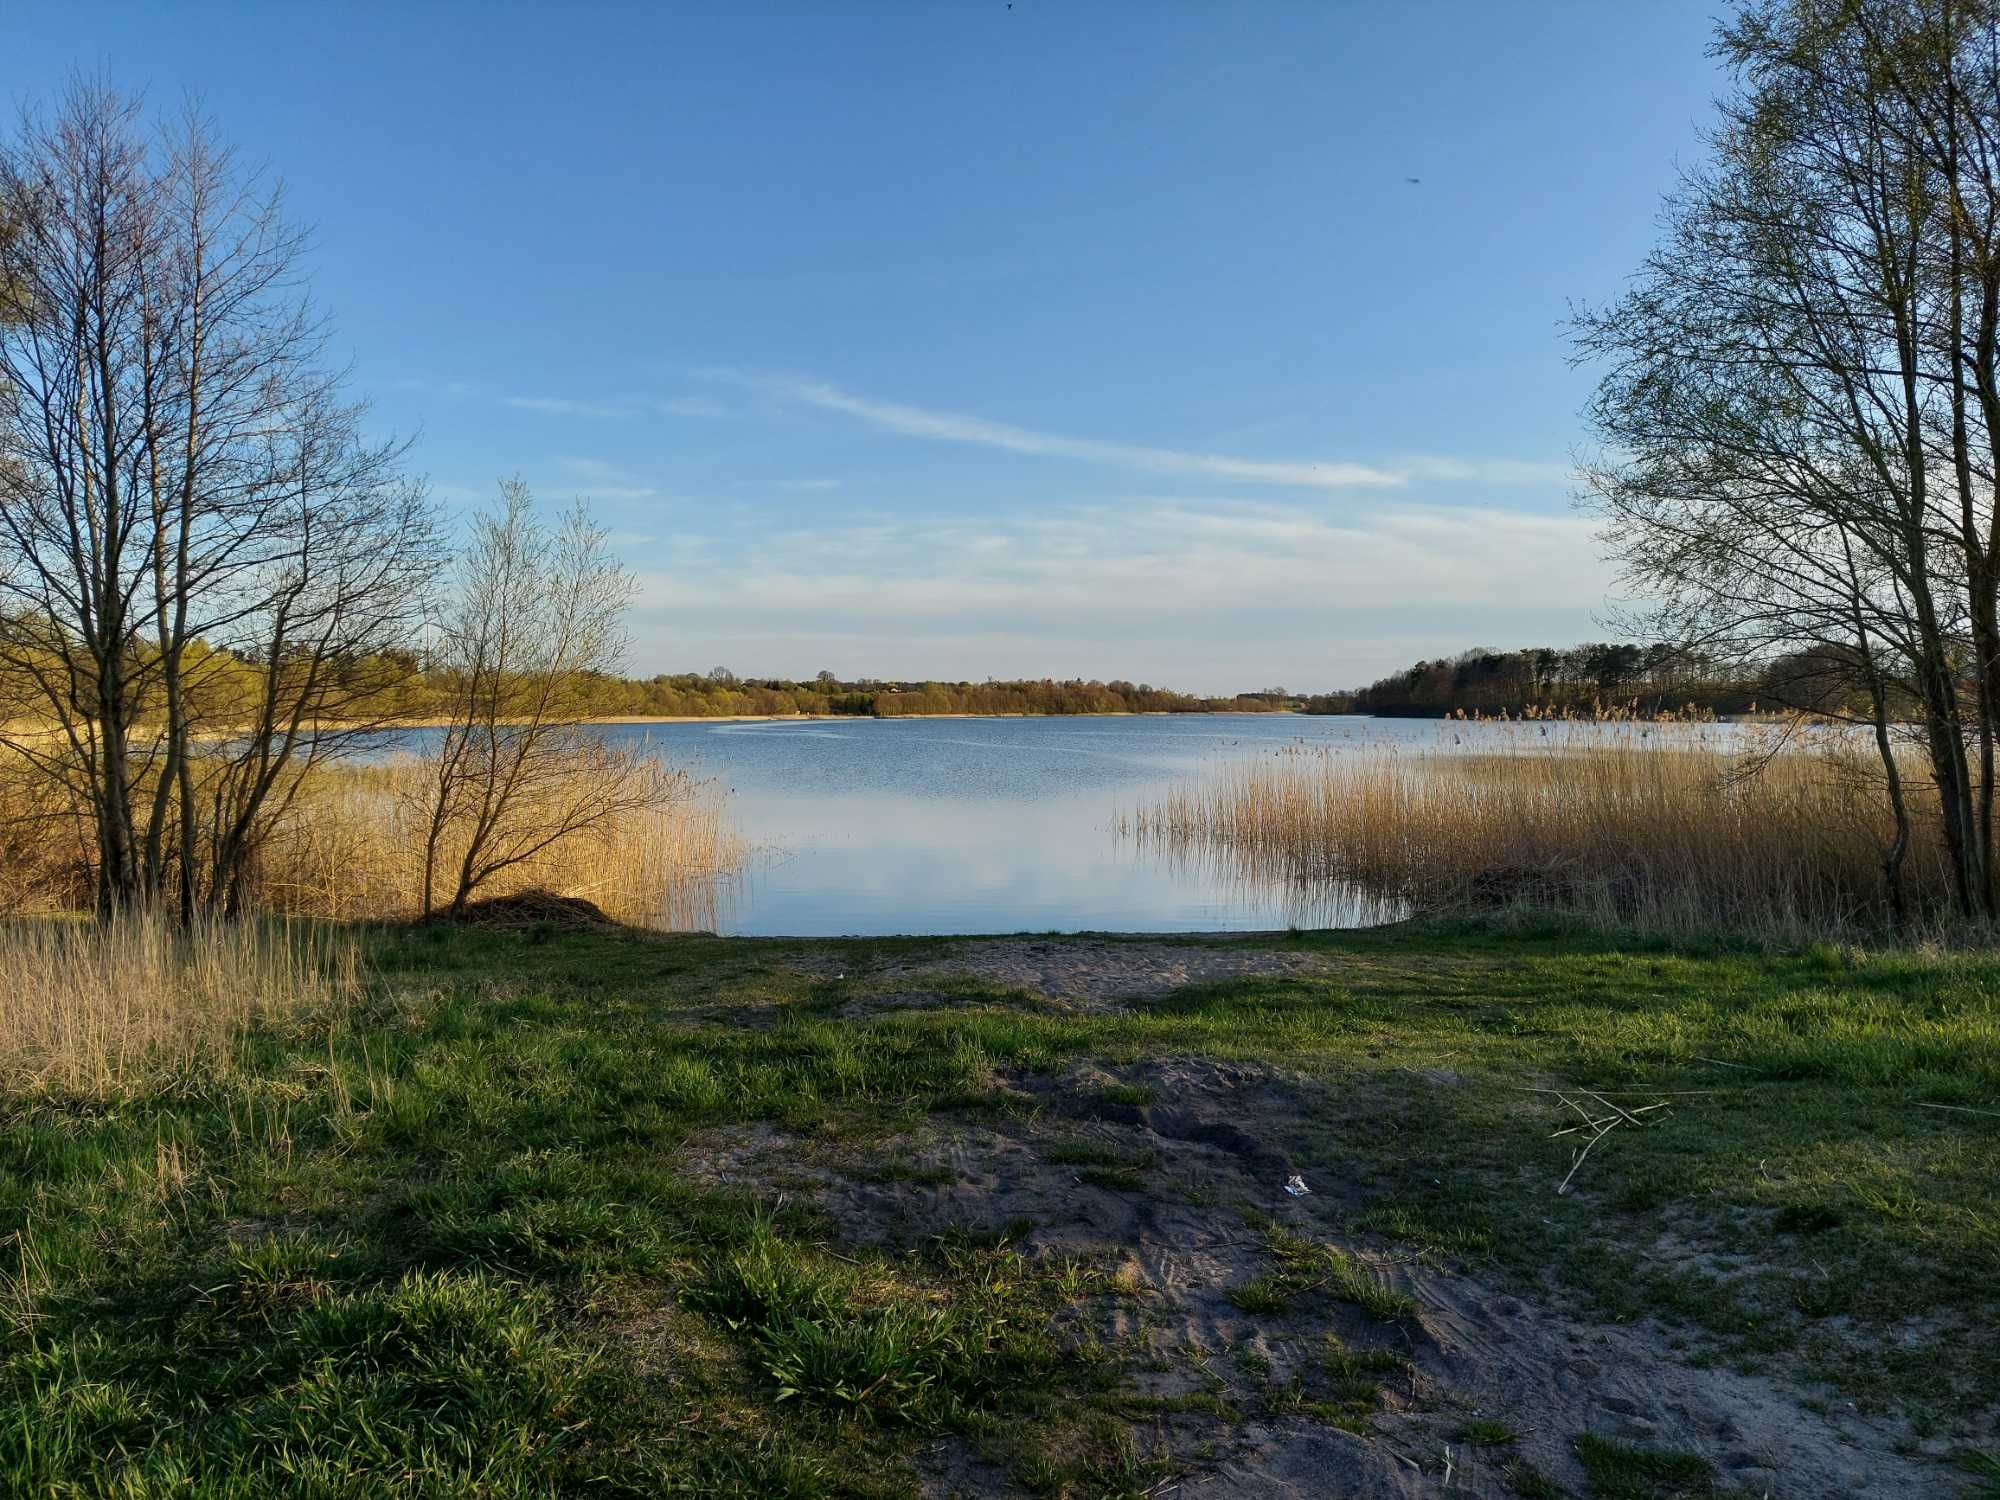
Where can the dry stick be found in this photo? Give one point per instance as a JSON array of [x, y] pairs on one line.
[[1599, 1098], [1525, 1088], [1563, 1186], [1962, 1109]]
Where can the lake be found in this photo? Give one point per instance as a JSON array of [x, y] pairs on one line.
[[884, 826]]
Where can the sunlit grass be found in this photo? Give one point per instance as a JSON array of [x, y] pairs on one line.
[[93, 1009], [471, 1240]]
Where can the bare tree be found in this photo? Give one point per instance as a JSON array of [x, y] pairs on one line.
[[537, 615], [1802, 401], [202, 561]]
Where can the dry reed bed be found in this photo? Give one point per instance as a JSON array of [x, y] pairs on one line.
[[1670, 831], [351, 848], [93, 1009]]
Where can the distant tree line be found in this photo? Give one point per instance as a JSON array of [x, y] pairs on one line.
[[720, 693], [225, 688], [1588, 680]]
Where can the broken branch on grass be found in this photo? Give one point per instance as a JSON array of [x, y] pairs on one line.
[[1596, 1126]]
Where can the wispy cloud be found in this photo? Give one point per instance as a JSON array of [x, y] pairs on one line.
[[563, 406], [1203, 595], [1320, 474], [1505, 472], [1153, 559], [617, 408], [693, 406], [957, 427]]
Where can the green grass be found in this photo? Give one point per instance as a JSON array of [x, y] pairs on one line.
[[460, 1244], [1618, 1471]]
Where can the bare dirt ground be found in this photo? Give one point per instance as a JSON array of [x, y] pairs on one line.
[[1091, 974], [1179, 1201]]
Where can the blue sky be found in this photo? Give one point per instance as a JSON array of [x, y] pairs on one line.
[[959, 340]]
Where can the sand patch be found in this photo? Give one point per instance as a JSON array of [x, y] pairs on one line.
[[1092, 973], [1168, 1176]]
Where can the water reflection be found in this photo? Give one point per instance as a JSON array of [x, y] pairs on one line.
[[1266, 884], [874, 827], [987, 825]]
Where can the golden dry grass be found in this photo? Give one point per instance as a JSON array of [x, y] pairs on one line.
[[1678, 829], [92, 1009], [352, 848]]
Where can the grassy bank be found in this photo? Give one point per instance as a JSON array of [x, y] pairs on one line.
[[548, 1213]]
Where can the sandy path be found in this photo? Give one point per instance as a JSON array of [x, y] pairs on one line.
[[1223, 1137]]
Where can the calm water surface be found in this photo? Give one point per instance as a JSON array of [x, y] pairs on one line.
[[883, 826]]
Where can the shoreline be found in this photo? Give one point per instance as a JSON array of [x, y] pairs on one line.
[[632, 719]]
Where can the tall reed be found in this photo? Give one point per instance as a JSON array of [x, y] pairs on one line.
[[1666, 830], [93, 1009], [352, 846]]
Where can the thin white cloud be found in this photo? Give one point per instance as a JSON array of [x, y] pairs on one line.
[[959, 427], [1508, 472], [1202, 595], [693, 406], [1152, 560], [563, 406]]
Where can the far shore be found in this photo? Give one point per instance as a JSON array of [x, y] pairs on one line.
[[1150, 713]]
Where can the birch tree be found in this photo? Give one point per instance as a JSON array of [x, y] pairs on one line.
[[183, 489], [536, 615], [1800, 406]]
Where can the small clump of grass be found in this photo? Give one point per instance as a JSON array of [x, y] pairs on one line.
[[879, 1349], [1487, 1434], [1081, 1152], [1116, 1179], [1619, 1471], [1354, 1379], [1530, 1483], [1133, 1095], [1260, 1295], [1432, 1230], [1301, 1265], [1079, 1452], [1102, 1165]]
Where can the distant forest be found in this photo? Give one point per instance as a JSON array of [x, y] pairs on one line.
[[1591, 680], [720, 693]]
